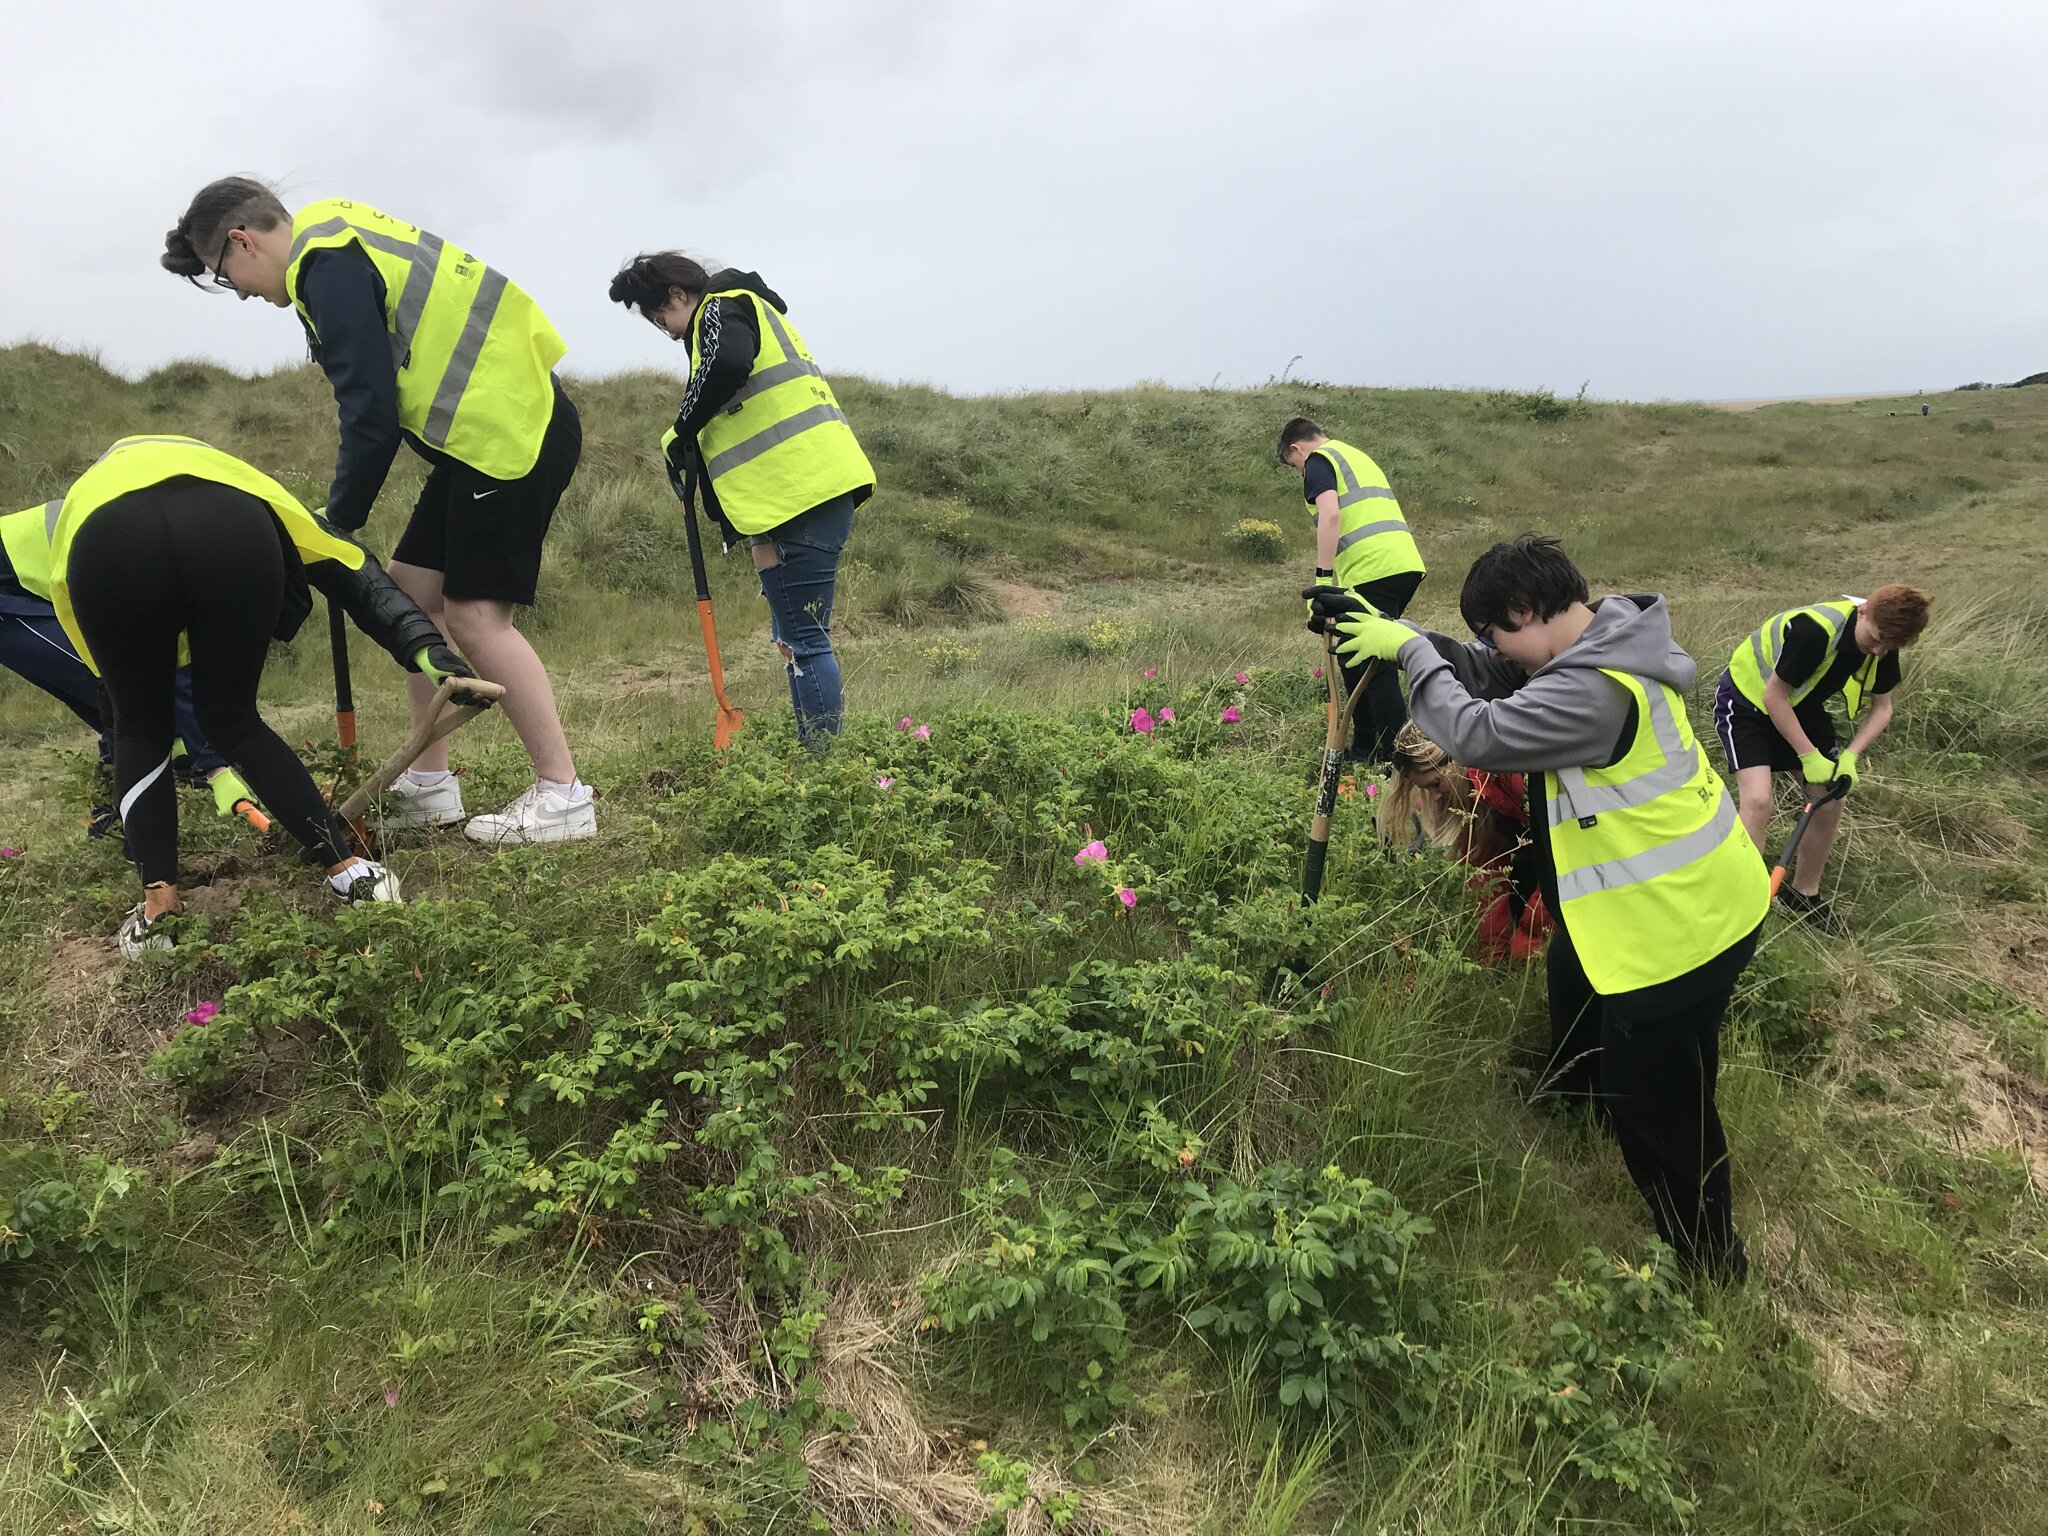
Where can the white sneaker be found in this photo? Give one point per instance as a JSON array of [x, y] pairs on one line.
[[413, 804], [538, 816], [365, 880], [141, 936]]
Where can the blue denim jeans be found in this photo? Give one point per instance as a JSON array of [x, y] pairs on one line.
[[799, 590]]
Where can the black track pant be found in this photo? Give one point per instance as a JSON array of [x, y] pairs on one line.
[[1649, 1072], [206, 559], [1381, 710]]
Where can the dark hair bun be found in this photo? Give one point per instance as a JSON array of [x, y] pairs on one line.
[[179, 257]]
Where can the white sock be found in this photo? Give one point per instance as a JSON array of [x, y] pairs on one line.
[[428, 778], [348, 874], [575, 789]]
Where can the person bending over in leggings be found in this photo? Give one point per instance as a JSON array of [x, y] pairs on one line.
[[166, 536]]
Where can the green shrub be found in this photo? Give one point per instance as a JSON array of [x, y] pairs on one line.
[[55, 1206], [1614, 1336]]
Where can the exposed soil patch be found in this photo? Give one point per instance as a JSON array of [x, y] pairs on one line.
[[1021, 601]]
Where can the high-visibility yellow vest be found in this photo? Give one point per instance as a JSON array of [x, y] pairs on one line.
[[1372, 536], [782, 445], [136, 463], [26, 536], [1756, 659], [474, 353], [1655, 873]]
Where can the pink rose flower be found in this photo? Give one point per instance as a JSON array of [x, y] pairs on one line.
[[1093, 853], [1127, 896], [1150, 673], [10, 853], [883, 781], [1371, 790], [1166, 715], [1141, 721], [1244, 677], [1317, 673], [1230, 714], [923, 733], [906, 722], [203, 1014]]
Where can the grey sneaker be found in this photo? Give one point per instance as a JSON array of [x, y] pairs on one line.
[[538, 816], [410, 804]]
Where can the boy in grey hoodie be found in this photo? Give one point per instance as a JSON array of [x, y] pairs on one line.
[[1657, 890]]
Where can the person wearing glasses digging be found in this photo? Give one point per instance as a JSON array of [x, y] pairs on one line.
[[425, 344], [1654, 887]]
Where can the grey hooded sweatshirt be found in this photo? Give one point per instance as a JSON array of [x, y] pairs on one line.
[[1488, 713]]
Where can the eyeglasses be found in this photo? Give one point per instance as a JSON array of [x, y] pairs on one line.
[[220, 265]]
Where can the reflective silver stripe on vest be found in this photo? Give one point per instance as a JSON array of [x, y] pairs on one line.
[[51, 511], [794, 365], [469, 347], [131, 442], [1367, 530], [767, 378], [768, 437], [312, 232], [1577, 797], [425, 260], [1640, 868], [390, 244], [1365, 493]]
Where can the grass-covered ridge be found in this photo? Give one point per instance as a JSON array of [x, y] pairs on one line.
[[824, 1147]]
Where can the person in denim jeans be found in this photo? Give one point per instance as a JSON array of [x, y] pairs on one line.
[[761, 431], [798, 567]]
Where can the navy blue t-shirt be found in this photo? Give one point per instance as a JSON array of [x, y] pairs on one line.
[[1317, 476]]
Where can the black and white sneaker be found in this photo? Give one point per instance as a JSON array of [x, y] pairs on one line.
[[364, 880]]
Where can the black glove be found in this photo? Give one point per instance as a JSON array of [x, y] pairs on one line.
[[438, 664], [1328, 604]]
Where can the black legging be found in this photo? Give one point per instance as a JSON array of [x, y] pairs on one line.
[[203, 558]]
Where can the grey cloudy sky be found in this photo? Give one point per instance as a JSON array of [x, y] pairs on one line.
[[1666, 201]]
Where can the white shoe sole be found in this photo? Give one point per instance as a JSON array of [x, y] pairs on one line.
[[568, 830], [413, 821]]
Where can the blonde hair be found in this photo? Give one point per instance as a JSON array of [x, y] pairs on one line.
[[1408, 815]]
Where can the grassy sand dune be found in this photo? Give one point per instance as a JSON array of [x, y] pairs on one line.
[[823, 1148]]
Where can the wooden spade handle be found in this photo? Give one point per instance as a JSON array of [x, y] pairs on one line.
[[444, 718]]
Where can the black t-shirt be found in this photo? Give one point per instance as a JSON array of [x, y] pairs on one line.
[[1800, 657], [1317, 476]]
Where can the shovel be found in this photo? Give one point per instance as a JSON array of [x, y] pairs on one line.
[[443, 718], [1813, 803], [1339, 726], [730, 717]]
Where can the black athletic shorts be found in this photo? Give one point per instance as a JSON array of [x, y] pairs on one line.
[[1749, 740], [484, 536]]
